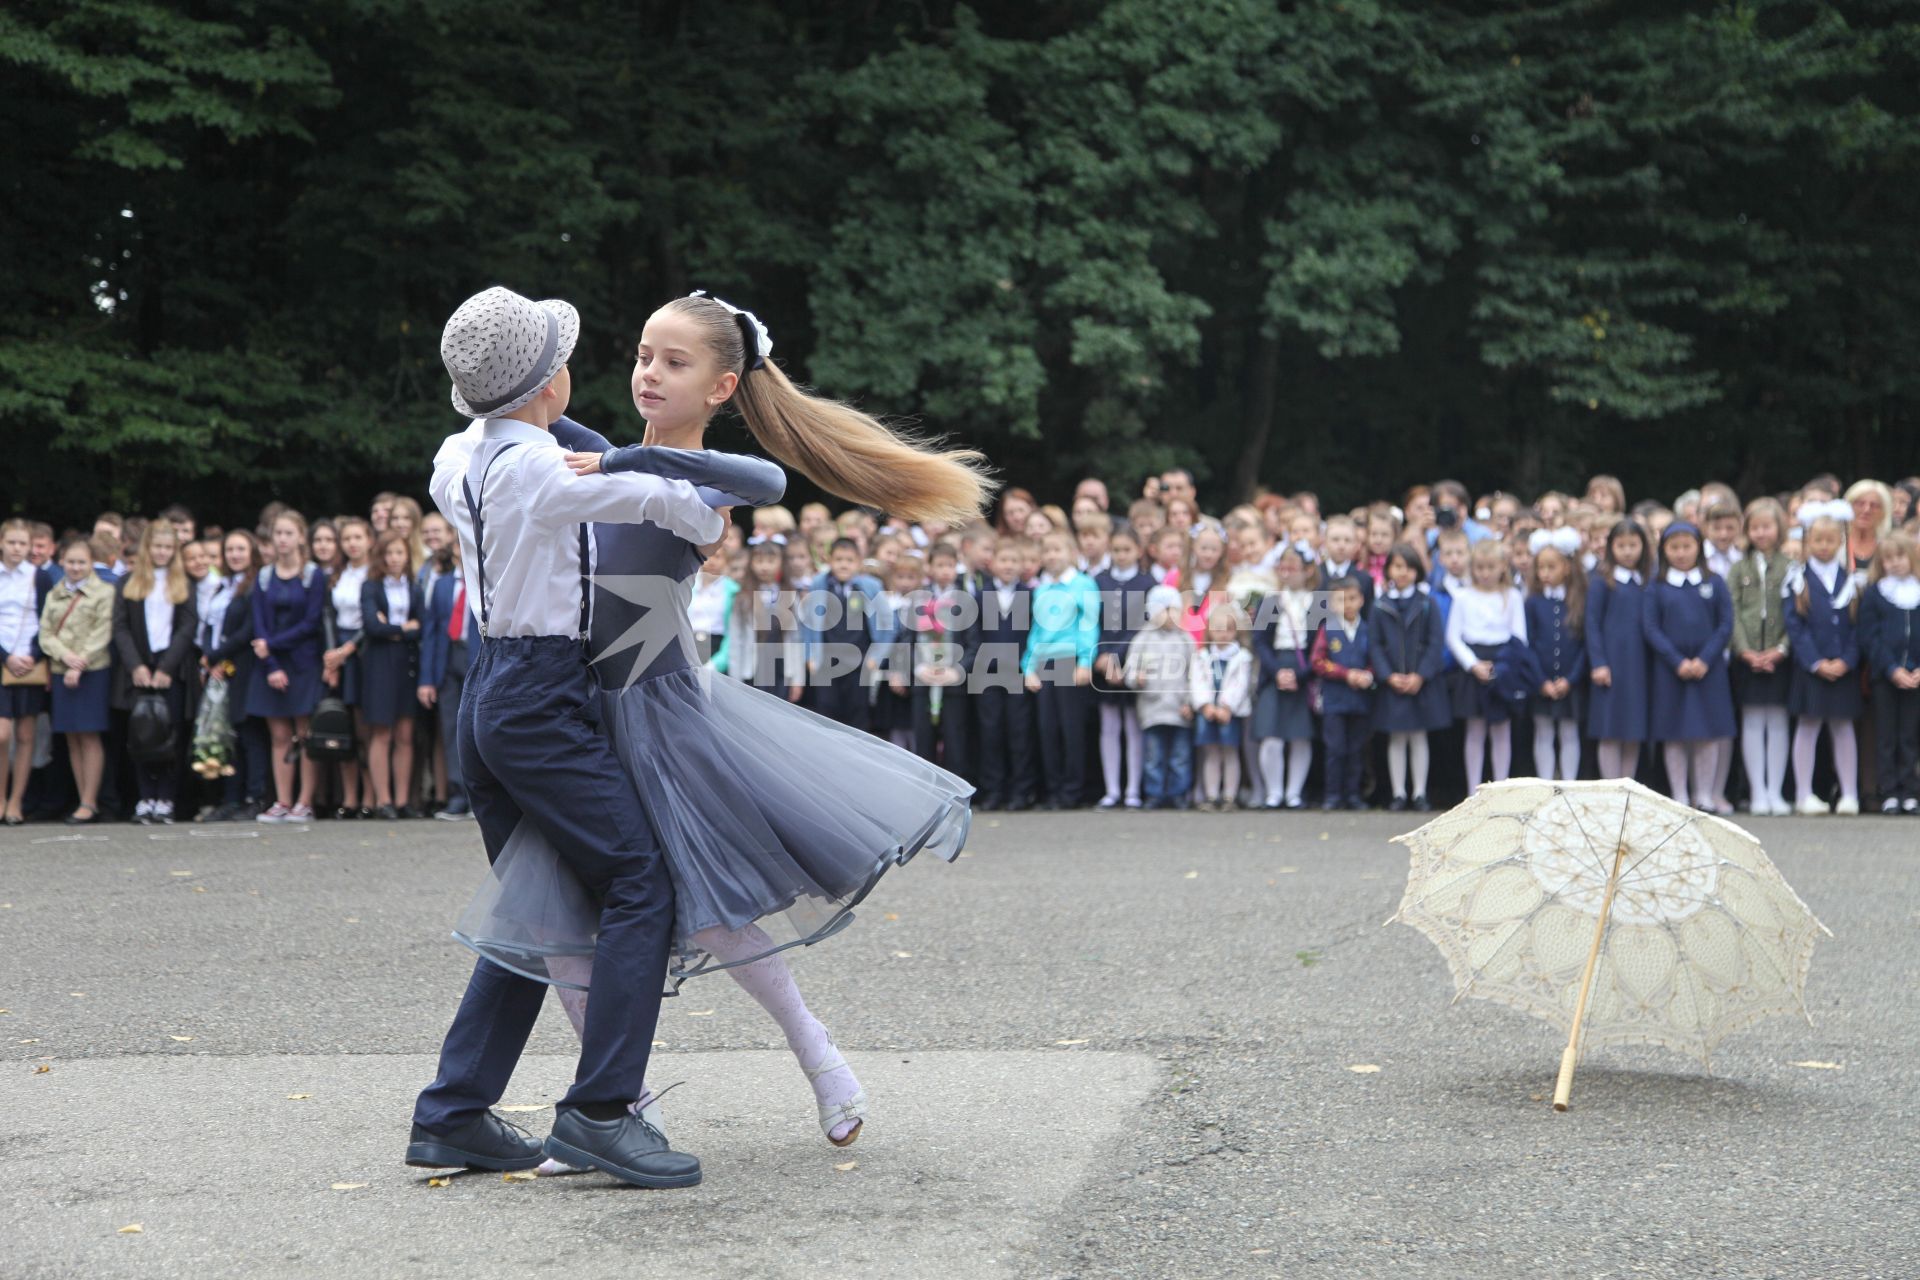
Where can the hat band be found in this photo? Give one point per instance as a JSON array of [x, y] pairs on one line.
[[536, 378]]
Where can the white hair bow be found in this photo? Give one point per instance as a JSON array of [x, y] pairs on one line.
[[1565, 540], [763, 341], [1834, 509]]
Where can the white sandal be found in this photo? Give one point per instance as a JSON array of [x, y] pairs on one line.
[[854, 1108]]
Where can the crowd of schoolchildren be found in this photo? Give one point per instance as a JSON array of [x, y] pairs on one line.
[[1133, 655]]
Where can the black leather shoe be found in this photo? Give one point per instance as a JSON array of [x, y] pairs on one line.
[[484, 1142], [1397, 805], [628, 1148], [1421, 805]]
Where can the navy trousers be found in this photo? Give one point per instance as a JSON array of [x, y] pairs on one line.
[[1346, 735], [530, 745]]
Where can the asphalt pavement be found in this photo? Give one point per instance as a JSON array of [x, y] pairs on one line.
[[1098, 1045]]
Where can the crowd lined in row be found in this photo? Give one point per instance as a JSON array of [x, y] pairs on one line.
[[1398, 653]]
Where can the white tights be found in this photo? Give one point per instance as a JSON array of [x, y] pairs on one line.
[[1846, 755], [1481, 735], [1692, 761], [1763, 748], [1219, 772], [1544, 734], [768, 980], [1619, 758], [1283, 762], [1404, 751], [1118, 722]]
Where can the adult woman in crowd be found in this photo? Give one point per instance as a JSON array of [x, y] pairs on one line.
[[1872, 504]]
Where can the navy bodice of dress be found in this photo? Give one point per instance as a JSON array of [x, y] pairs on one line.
[[642, 573]]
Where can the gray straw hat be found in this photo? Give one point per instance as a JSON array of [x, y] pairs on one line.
[[500, 349]]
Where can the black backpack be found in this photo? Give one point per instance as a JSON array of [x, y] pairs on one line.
[[330, 732], [152, 735]]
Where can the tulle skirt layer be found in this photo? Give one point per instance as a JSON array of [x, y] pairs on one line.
[[769, 815]]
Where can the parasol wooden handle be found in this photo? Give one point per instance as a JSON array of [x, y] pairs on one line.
[[1563, 1087]]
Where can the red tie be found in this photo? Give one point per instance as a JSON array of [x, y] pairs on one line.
[[458, 623]]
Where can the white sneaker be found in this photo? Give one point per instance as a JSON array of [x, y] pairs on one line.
[[143, 811], [163, 811], [1890, 805], [1849, 807], [1813, 807], [274, 816]]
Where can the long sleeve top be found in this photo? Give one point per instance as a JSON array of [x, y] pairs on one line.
[[532, 506], [1066, 621], [87, 631], [1484, 617]]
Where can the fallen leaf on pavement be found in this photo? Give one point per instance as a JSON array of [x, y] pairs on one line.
[[891, 915], [131, 1229], [35, 1040], [1820, 1066], [298, 1097], [181, 1039], [519, 1175], [699, 1013], [42, 1069], [1068, 1042], [1326, 835], [348, 1186], [438, 1182], [1287, 871], [78, 995], [848, 1167], [903, 955], [199, 888], [1193, 875], [1364, 1069], [179, 873]]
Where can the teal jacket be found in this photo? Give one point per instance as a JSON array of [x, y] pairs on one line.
[[1066, 621]]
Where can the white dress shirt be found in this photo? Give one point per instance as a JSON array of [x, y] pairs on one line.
[[399, 597], [19, 618], [1484, 617], [532, 509], [159, 610], [346, 598], [1722, 562], [1691, 578]]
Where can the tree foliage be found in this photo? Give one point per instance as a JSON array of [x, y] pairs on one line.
[[1351, 245]]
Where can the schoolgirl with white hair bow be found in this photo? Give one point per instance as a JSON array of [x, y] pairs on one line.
[[1556, 633], [1820, 603]]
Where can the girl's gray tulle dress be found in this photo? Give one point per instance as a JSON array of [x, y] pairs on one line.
[[776, 822]]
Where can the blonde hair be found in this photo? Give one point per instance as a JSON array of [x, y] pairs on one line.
[[139, 583], [1895, 543], [416, 549], [847, 452], [775, 519], [1489, 551], [1860, 488]]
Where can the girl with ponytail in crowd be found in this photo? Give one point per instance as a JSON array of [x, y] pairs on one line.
[[775, 821]]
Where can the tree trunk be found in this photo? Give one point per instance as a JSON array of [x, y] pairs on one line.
[[1256, 428]]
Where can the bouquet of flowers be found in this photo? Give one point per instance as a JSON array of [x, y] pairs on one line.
[[213, 732]]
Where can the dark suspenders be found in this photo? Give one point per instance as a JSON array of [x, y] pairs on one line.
[[480, 547]]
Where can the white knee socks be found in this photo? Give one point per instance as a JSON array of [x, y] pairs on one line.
[[1273, 755], [1412, 767], [1763, 749], [1547, 735], [1618, 758], [1846, 756]]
